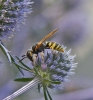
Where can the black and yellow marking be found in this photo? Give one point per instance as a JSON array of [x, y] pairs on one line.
[[50, 44], [54, 46]]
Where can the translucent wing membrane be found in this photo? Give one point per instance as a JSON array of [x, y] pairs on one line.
[[46, 37]]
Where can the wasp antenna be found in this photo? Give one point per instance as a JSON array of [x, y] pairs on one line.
[[46, 37], [22, 58]]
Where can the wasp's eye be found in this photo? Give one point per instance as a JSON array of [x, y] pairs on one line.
[[29, 52]]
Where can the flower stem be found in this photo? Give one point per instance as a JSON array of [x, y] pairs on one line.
[[45, 94], [23, 89]]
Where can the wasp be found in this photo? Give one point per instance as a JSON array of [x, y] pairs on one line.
[[40, 46]]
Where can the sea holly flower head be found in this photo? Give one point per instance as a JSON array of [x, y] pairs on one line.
[[12, 15], [54, 67]]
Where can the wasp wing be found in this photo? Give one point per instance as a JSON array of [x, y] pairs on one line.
[[46, 37]]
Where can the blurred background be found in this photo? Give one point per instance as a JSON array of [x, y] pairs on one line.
[[74, 18]]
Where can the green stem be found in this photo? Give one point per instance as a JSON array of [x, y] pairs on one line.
[[48, 94], [45, 94]]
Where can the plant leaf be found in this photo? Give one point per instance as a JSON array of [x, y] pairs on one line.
[[45, 95], [53, 82], [19, 68], [48, 94], [23, 63], [15, 63], [5, 51], [24, 79]]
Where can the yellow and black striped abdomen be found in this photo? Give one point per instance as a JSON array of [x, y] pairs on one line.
[[54, 46]]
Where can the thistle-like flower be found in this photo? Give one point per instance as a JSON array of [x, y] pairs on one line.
[[12, 14], [49, 70], [54, 67]]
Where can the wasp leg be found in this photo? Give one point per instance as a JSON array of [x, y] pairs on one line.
[[34, 59], [42, 55]]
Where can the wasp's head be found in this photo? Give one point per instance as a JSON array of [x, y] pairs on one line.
[[29, 54]]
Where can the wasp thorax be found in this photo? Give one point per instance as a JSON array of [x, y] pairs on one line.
[[36, 48]]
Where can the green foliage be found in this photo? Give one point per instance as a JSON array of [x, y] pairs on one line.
[[5, 51], [24, 79]]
